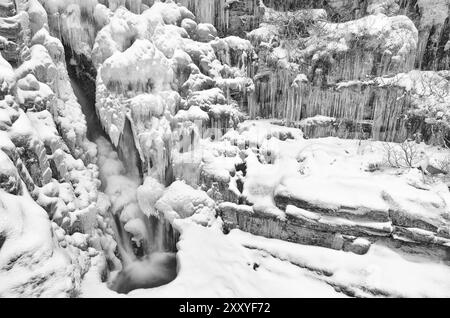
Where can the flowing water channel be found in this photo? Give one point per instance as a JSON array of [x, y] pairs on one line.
[[145, 244]]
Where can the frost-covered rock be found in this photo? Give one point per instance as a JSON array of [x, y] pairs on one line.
[[27, 239], [206, 32], [153, 68], [190, 26], [38, 16], [182, 201], [49, 178], [148, 194]]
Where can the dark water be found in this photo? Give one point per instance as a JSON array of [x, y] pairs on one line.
[[95, 129], [155, 270]]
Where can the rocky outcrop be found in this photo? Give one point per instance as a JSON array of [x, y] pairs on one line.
[[335, 229], [7, 8], [369, 39], [229, 17], [430, 17], [180, 82], [294, 229], [14, 32], [49, 180], [308, 199]]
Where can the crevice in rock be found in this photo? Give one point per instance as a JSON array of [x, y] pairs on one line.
[[2, 240]]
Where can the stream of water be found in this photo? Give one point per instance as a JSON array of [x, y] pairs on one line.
[[146, 261]]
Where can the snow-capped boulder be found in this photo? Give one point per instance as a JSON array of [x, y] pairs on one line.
[[206, 32], [182, 201]]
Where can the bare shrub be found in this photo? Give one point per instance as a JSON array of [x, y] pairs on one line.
[[295, 28], [404, 155]]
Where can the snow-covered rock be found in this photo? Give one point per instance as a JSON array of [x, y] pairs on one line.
[[183, 165]]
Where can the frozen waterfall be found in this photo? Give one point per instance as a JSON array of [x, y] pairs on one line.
[[145, 244]]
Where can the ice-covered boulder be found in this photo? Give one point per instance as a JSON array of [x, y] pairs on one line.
[[182, 201], [38, 16], [148, 194], [190, 26], [206, 32], [148, 68]]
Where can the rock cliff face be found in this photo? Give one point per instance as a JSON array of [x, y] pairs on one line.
[[415, 37], [430, 17], [125, 124], [340, 72]]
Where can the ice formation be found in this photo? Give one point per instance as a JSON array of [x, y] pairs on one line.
[[198, 148]]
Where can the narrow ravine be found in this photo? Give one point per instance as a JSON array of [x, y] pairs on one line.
[[147, 262], [88, 107]]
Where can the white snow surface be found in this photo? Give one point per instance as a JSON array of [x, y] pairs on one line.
[[207, 257], [141, 55], [32, 263]]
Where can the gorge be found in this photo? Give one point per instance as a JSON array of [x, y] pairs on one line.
[[198, 148]]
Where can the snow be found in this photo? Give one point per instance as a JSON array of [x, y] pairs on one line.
[[434, 12], [288, 270], [182, 201], [383, 271], [221, 167], [170, 12], [194, 114], [172, 96], [147, 65], [326, 222], [207, 97], [28, 240], [146, 106], [168, 39], [7, 74], [398, 35], [334, 193], [206, 274], [428, 91], [190, 26], [148, 194], [325, 174], [102, 15]]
